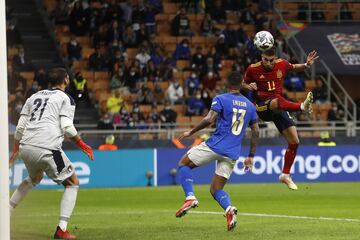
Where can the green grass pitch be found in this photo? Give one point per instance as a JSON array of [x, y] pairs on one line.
[[149, 213]]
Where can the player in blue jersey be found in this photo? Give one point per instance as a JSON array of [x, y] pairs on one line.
[[233, 113]]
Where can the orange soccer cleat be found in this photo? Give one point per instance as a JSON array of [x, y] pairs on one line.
[[231, 218], [188, 204], [60, 234]]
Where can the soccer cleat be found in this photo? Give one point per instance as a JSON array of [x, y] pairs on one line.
[[308, 103], [188, 204], [231, 218], [285, 178], [60, 234]]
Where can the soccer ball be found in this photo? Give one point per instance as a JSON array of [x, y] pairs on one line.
[[263, 40]]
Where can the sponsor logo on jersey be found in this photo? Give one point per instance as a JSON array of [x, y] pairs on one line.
[[262, 76]]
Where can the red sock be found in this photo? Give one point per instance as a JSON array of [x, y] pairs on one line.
[[290, 155], [288, 106]]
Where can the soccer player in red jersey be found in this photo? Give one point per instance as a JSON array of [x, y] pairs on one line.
[[265, 78]]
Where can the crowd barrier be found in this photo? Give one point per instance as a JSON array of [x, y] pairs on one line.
[[132, 168]]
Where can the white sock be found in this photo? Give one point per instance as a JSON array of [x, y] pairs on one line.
[[190, 197], [20, 193], [67, 205], [302, 107]]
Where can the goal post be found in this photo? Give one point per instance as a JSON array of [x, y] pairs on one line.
[[4, 132]]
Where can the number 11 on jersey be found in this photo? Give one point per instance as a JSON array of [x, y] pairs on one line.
[[237, 120]]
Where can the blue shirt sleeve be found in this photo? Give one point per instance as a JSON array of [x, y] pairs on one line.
[[216, 105]]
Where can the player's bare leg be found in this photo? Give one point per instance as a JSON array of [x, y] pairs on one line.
[[185, 166], [67, 205], [291, 136], [21, 191], [216, 190]]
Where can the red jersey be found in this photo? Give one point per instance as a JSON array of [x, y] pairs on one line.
[[269, 82]]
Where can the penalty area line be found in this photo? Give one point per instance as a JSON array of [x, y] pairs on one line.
[[281, 216]]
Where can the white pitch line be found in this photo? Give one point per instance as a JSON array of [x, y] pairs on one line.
[[281, 216], [194, 212]]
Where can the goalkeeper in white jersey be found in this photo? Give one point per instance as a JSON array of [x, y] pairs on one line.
[[45, 118]]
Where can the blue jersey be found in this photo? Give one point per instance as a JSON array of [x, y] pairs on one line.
[[235, 114]]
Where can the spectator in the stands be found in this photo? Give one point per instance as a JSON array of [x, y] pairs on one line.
[[175, 92], [97, 61], [16, 106], [222, 46], [303, 120], [214, 57], [207, 26], [141, 34], [21, 62], [166, 71], [115, 102], [206, 96], [118, 80], [195, 105], [116, 58], [74, 49], [144, 95], [34, 89], [198, 59], [209, 81], [143, 57], [180, 25], [168, 115], [132, 79], [157, 57], [93, 21], [262, 21], [183, 50], [79, 90], [249, 16], [218, 13], [150, 13], [320, 92], [114, 32], [345, 13], [241, 34], [129, 37], [210, 66], [231, 35], [154, 115], [302, 11], [191, 84], [105, 122], [41, 78], [15, 81], [158, 94], [77, 20], [136, 109], [100, 36], [335, 114], [138, 13]]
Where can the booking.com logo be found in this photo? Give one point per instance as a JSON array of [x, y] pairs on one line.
[[310, 165]]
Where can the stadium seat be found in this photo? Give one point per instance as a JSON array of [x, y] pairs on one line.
[[98, 76], [87, 51], [182, 64], [131, 53], [170, 8]]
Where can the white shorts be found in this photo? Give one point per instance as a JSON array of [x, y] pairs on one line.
[[202, 154], [54, 163]]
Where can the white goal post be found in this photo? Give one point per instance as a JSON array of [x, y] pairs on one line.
[[4, 133]]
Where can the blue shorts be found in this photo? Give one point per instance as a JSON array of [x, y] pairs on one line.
[[281, 118]]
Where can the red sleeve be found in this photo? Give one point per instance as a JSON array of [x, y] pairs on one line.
[[288, 66], [247, 76]]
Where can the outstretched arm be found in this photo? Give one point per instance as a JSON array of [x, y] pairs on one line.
[[205, 122], [309, 61]]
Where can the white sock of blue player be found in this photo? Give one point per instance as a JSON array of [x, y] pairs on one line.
[[186, 180], [67, 205], [20, 193], [222, 198]]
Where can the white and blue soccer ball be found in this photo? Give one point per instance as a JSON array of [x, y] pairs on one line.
[[263, 40]]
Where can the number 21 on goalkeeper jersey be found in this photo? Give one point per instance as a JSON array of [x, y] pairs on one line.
[[235, 114]]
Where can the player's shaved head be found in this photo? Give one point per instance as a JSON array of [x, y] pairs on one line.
[[235, 79], [57, 76]]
